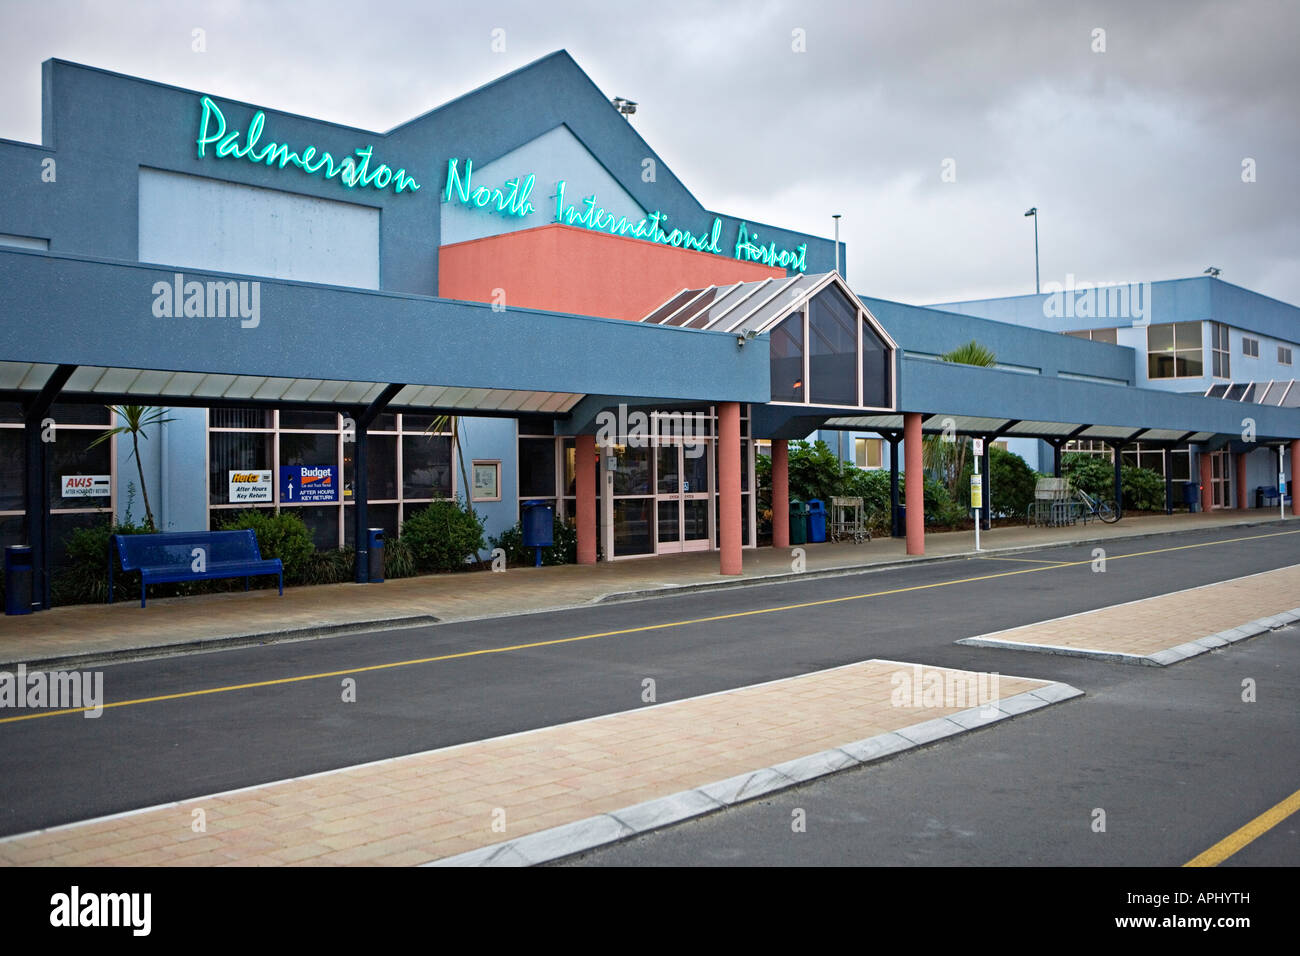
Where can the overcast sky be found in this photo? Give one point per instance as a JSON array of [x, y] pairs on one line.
[[1133, 155]]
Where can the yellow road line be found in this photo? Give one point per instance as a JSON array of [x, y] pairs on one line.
[[1055, 564], [1241, 838], [627, 630]]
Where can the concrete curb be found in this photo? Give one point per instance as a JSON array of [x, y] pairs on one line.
[[558, 842], [232, 642], [846, 569], [1170, 655]]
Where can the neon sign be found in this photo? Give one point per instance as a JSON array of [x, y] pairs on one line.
[[512, 199], [351, 171], [513, 203]]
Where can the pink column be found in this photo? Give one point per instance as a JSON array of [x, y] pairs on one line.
[[1242, 501], [914, 475], [1295, 473], [780, 493], [585, 479], [729, 487], [1207, 483]]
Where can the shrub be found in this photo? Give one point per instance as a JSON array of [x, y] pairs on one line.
[[336, 566], [398, 560], [1144, 489], [565, 550], [84, 577], [443, 536], [284, 536], [1091, 473], [1009, 485]]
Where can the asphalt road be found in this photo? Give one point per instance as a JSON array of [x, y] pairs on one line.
[[58, 769]]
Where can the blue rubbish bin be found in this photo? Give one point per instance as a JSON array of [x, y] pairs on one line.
[[18, 579], [1192, 495], [816, 521], [375, 545], [538, 520]]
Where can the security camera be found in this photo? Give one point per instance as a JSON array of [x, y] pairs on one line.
[[745, 336]]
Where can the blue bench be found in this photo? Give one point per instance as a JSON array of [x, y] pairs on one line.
[[1270, 496], [190, 556]]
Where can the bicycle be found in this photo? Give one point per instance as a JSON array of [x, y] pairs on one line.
[[1103, 508]]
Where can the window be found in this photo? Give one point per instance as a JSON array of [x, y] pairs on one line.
[[1174, 350], [1219, 345], [1284, 355], [1250, 347], [1096, 335], [866, 452]]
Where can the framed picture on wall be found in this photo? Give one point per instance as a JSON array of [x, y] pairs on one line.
[[487, 480]]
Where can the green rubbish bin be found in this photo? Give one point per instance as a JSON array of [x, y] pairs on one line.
[[798, 521]]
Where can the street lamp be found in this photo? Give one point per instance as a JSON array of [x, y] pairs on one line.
[[836, 217], [1034, 212]]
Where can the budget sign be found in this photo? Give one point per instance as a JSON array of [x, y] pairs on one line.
[[307, 483]]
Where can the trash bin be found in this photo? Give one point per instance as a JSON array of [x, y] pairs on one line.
[[1259, 497], [375, 545], [1192, 495], [798, 521], [538, 520], [18, 579], [816, 521]]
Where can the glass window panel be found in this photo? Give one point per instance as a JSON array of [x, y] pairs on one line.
[[631, 470], [297, 418], [1105, 335], [536, 425], [632, 533], [1187, 335], [876, 369], [12, 475], [570, 468], [426, 466], [424, 423], [1160, 366], [74, 413], [1189, 364], [240, 418], [787, 360], [536, 467], [381, 468], [318, 450], [234, 451], [832, 349], [1160, 338], [323, 523], [384, 422], [71, 454], [11, 412]]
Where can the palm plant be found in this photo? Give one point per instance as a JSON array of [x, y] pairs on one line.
[[451, 423], [943, 457], [136, 419]]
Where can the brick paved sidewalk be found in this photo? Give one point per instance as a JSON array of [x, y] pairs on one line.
[[1147, 628], [428, 806]]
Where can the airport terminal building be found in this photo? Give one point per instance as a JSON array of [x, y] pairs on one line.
[[511, 298]]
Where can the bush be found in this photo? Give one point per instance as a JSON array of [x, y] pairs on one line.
[[1144, 489], [565, 551], [284, 536], [336, 566], [443, 536], [84, 577], [398, 560], [1091, 473], [1009, 485]]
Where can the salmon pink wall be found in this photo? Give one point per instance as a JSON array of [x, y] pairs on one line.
[[570, 269]]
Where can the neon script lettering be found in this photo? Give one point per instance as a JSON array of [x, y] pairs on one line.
[[351, 171], [650, 228], [748, 248], [510, 199]]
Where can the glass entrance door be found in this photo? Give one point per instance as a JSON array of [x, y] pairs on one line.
[[1219, 482], [682, 497]]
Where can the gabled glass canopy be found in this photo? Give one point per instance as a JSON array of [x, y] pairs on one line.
[[826, 348]]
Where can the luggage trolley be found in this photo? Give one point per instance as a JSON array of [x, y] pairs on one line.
[[846, 520]]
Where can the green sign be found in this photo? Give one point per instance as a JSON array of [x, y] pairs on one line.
[[351, 171]]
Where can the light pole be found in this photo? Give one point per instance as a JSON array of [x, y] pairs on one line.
[[1034, 212], [836, 217]]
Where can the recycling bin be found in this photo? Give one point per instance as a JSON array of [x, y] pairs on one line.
[[798, 521], [538, 520], [18, 579], [1192, 495], [375, 545], [816, 521]]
